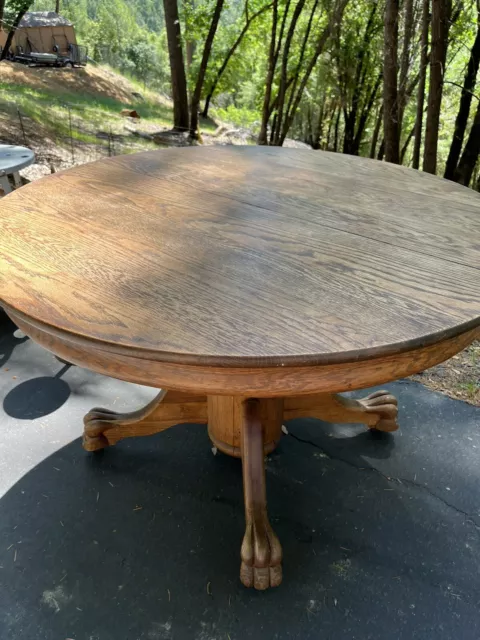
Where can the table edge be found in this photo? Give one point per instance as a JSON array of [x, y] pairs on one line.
[[237, 362]]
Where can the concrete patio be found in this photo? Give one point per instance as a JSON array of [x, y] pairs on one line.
[[381, 533]]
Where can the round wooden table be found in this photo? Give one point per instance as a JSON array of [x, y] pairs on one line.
[[252, 283]]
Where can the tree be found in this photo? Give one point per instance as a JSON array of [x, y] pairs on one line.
[[441, 10], [18, 8], [177, 67], [421, 84], [403, 94], [142, 56], [292, 79], [390, 91], [465, 102], [359, 79], [466, 166], [197, 93], [218, 75]]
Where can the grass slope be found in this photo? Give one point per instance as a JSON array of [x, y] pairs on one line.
[[49, 109]]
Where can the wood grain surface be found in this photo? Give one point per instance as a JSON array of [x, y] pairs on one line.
[[244, 256]]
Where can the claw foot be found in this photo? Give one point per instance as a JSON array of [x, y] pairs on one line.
[[261, 555], [96, 422], [385, 405]]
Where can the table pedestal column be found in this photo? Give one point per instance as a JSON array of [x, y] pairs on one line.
[[226, 417]]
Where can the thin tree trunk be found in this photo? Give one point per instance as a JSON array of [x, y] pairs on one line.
[[318, 133], [329, 130], [194, 108], [57, 6], [294, 79], [262, 136], [227, 58], [421, 84], [405, 145], [334, 20], [441, 10], [351, 142], [177, 67], [190, 44], [357, 141], [376, 132], [337, 123], [2, 10], [283, 75], [464, 108], [405, 61], [390, 94], [381, 150], [463, 173]]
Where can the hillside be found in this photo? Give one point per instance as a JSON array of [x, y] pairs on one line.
[[73, 116], [69, 117]]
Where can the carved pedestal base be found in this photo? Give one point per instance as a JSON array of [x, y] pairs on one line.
[[246, 428]]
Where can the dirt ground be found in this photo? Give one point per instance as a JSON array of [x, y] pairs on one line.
[[91, 80], [458, 377]]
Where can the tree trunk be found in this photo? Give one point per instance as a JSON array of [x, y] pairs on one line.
[[390, 95], [177, 67], [364, 116], [405, 61], [57, 6], [441, 10], [421, 84], [463, 173], [283, 75], [376, 132], [381, 150], [464, 108], [405, 146], [230, 53], [262, 136], [336, 132], [2, 10], [318, 133], [330, 127], [203, 68]]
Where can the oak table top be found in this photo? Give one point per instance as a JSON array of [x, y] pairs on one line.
[[252, 283], [245, 255]]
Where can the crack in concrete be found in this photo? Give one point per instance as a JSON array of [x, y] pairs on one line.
[[468, 516]]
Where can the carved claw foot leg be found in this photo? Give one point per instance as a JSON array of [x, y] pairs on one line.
[[104, 427], [383, 406], [261, 552], [377, 411]]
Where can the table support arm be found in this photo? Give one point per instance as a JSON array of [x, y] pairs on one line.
[[377, 411], [104, 427]]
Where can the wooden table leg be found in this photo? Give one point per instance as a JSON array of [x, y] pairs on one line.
[[261, 552], [169, 408], [5, 185]]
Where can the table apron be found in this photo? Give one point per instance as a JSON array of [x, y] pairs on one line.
[[262, 382]]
